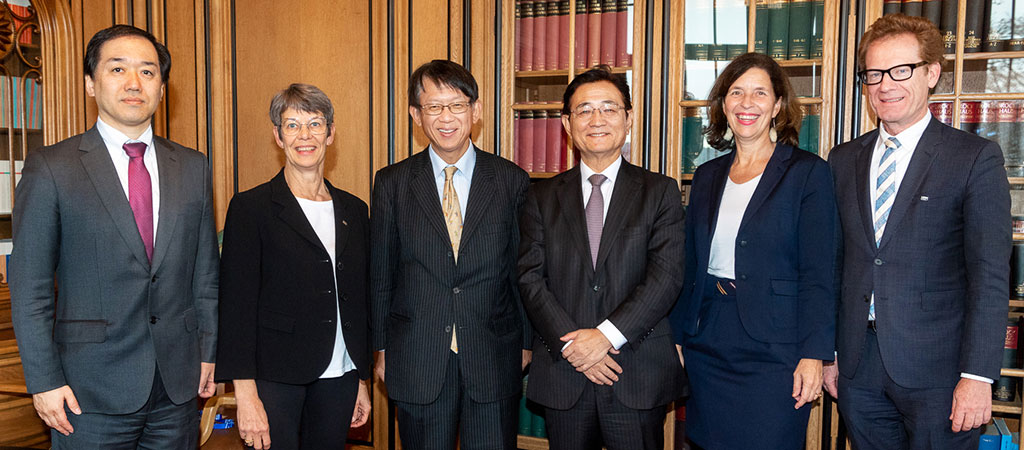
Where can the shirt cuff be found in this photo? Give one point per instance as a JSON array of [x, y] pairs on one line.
[[566, 345], [975, 377], [612, 334]]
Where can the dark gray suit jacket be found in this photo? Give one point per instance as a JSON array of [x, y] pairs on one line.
[[117, 317], [638, 277], [418, 291], [940, 273]]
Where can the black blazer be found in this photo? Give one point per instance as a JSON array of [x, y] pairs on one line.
[[419, 291], [277, 300], [637, 280], [940, 275], [785, 252]]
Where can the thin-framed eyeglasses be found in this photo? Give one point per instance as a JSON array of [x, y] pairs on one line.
[[454, 108], [292, 127], [896, 73], [587, 111]]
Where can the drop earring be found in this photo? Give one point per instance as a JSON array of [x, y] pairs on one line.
[[728, 134], [772, 134]]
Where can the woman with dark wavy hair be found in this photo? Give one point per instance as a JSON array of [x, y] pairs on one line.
[[756, 317]]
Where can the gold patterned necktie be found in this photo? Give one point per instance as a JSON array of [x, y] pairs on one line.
[[453, 220]]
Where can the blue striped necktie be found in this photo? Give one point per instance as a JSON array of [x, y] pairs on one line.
[[885, 195]]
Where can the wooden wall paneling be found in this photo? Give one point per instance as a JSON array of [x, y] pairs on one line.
[[826, 127], [655, 89], [427, 34], [221, 107], [400, 45], [150, 15], [482, 53], [61, 51], [507, 76], [674, 112], [639, 61], [381, 121], [93, 15], [455, 30], [184, 106], [123, 12]]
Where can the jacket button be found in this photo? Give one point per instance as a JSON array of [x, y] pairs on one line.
[[448, 329], [346, 325], [153, 319], [597, 288], [341, 265], [743, 243], [327, 291], [743, 277], [878, 262], [457, 290], [867, 299], [343, 297], [153, 280]]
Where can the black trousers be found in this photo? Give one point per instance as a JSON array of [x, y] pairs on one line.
[[310, 416], [454, 416], [159, 424], [881, 414], [599, 419]]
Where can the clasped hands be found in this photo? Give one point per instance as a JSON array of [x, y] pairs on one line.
[[589, 351]]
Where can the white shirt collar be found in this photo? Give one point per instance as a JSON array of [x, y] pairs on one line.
[[114, 137], [609, 172], [465, 164], [909, 137]]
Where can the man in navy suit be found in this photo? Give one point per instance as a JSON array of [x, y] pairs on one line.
[[925, 213]]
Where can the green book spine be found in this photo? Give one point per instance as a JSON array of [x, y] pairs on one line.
[[717, 52], [539, 428], [693, 140], [733, 51], [778, 29], [761, 27], [974, 24], [817, 35], [890, 7], [801, 18], [911, 8], [1005, 388], [525, 416], [813, 122], [932, 10], [804, 139], [948, 25]]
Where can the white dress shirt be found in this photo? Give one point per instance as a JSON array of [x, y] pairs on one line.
[[735, 199], [115, 140]]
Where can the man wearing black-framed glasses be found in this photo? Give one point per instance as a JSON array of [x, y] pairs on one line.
[[924, 210]]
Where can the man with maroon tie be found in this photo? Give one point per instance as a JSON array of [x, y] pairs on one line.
[[123, 221]]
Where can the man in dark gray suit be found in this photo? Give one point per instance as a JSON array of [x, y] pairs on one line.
[[444, 304], [123, 220], [925, 213]]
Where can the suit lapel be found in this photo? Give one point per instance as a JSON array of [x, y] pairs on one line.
[[865, 185], [624, 196], [340, 221], [770, 178], [924, 154], [289, 211], [96, 161], [719, 173], [424, 189], [481, 190], [570, 198], [169, 170]]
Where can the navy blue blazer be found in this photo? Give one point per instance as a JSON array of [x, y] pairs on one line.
[[785, 252]]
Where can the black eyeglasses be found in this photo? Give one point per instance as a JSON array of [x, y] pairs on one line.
[[897, 73]]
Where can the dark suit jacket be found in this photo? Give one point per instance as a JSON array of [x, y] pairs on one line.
[[637, 280], [118, 316], [277, 301], [418, 291], [940, 274], [785, 252]]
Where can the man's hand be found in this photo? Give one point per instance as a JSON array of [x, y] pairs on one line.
[[50, 407], [831, 377], [253, 427], [379, 368], [207, 387], [527, 357], [972, 404], [588, 347], [807, 381], [679, 351], [361, 413], [604, 372]]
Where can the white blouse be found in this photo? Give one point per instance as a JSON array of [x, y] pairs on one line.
[[730, 212]]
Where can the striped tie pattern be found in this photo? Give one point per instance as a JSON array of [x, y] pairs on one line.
[[885, 187], [453, 220]]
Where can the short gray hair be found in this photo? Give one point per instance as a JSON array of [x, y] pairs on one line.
[[301, 97]]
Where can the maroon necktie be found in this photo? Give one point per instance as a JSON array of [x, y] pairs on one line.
[[595, 215], [140, 194]]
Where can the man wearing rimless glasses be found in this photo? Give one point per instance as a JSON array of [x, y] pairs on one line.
[[925, 213]]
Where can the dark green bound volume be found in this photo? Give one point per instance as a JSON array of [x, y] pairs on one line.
[[1005, 388], [778, 29], [817, 35], [812, 120], [801, 18], [948, 25], [717, 52], [932, 10], [974, 26], [697, 52], [693, 140], [761, 27], [911, 8], [1000, 15], [734, 51], [1017, 269], [525, 417], [890, 7]]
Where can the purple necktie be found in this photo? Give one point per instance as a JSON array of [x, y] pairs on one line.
[[140, 194], [595, 215]]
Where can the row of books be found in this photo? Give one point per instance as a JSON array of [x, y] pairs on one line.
[[602, 34], [539, 141], [789, 29], [531, 420], [1005, 388], [26, 101], [696, 151], [989, 25], [1000, 121], [21, 11], [6, 195]]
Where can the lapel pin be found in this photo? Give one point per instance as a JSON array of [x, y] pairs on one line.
[[343, 222], [924, 198]]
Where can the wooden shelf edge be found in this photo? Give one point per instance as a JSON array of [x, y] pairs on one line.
[[535, 106], [618, 69], [988, 55], [543, 174], [1011, 372], [978, 96], [1016, 303], [799, 62], [1006, 407], [542, 73], [532, 443], [1016, 180]]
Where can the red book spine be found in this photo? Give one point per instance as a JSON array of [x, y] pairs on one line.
[[623, 56], [563, 34], [526, 44], [970, 116], [564, 152], [551, 45], [609, 17], [517, 139], [554, 131], [942, 111], [540, 35], [593, 33], [540, 139], [519, 35], [526, 140], [580, 58]]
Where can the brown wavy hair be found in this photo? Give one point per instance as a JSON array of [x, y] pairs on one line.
[[928, 36], [787, 122]]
